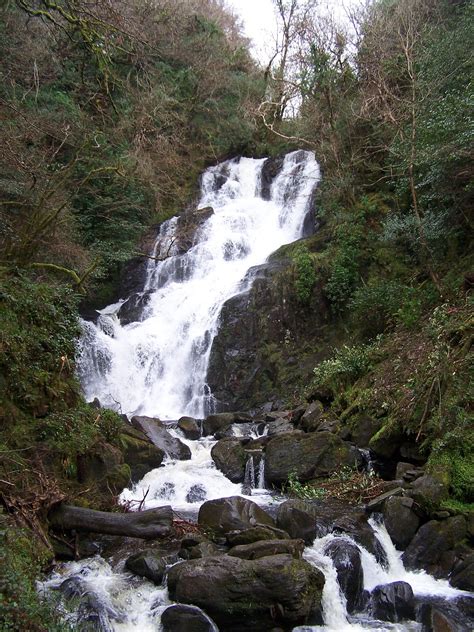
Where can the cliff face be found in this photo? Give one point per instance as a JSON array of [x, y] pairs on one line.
[[268, 342]]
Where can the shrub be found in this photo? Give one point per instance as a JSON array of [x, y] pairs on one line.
[[305, 274], [346, 365], [20, 605]]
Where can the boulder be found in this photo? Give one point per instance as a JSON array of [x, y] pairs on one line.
[[228, 514], [432, 542], [271, 168], [428, 491], [139, 452], [309, 456], [400, 519], [219, 421], [299, 522], [149, 564], [255, 534], [346, 559], [386, 442], [393, 602], [311, 418], [190, 427], [184, 618], [160, 437], [202, 549], [249, 595], [311, 519], [230, 458], [462, 576], [132, 309], [103, 466], [279, 426], [264, 548], [442, 615], [363, 428]]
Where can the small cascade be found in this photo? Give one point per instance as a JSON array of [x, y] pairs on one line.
[[249, 478], [261, 473]]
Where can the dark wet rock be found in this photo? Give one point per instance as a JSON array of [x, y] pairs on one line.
[[185, 618], [256, 550], [377, 503], [139, 453], [249, 595], [346, 558], [402, 468], [196, 494], [310, 456], [363, 427], [411, 452], [132, 309], [190, 427], [393, 602], [428, 491], [255, 534], [228, 514], [386, 442], [270, 170], [436, 615], [279, 426], [311, 418], [261, 332], [219, 421], [230, 458], [401, 521], [160, 437], [203, 549], [463, 574], [149, 564], [191, 539], [432, 547], [311, 519], [188, 225], [296, 519], [103, 466]]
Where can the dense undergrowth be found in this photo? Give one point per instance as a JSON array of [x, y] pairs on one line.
[[109, 111]]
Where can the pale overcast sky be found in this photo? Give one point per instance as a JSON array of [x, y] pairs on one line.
[[259, 21]]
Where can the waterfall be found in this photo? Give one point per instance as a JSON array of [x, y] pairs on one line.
[[158, 366]]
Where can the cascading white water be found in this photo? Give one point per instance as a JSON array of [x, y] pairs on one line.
[[158, 366], [130, 604]]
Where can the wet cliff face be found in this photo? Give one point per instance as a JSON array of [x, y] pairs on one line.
[[268, 343]]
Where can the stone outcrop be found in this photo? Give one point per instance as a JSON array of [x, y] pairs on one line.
[[149, 564], [309, 456], [230, 458], [239, 595], [268, 342], [186, 618], [264, 548], [229, 514], [160, 437]]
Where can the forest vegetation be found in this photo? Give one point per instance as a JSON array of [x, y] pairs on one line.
[[109, 111]]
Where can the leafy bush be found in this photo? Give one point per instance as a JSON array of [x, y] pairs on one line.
[[305, 274], [293, 487], [346, 365], [20, 605], [39, 326]]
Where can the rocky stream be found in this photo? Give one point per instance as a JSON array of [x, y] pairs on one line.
[[214, 538]]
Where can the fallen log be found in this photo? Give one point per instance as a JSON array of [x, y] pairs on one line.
[[149, 524]]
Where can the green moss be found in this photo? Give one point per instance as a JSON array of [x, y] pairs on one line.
[[22, 560]]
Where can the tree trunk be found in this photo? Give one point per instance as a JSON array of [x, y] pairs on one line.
[[149, 524]]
